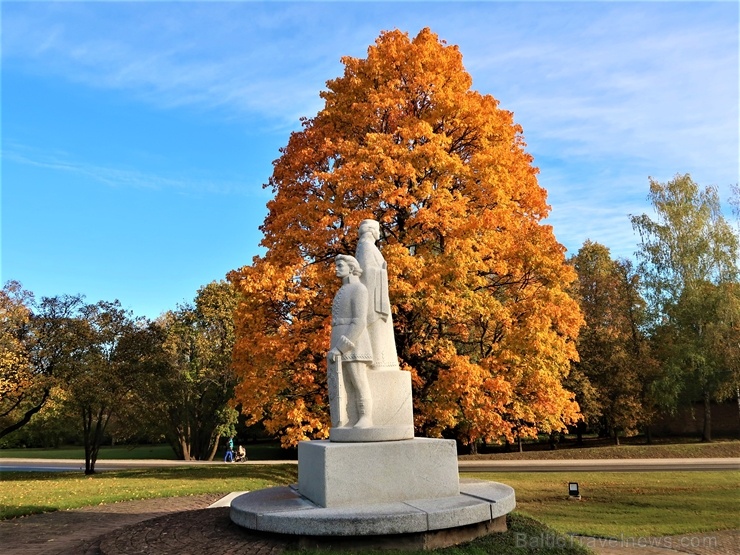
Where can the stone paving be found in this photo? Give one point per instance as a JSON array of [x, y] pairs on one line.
[[712, 543], [185, 526]]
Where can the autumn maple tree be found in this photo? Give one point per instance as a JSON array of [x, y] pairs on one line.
[[478, 284]]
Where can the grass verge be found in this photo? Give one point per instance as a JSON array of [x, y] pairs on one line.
[[164, 452], [630, 504], [685, 450], [23, 493], [258, 451]]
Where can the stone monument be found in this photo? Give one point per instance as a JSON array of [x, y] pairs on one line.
[[373, 483], [389, 412]]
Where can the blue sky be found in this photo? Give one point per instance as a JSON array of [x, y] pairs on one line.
[[136, 136]]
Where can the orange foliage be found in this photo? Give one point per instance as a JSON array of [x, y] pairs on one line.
[[478, 285], [16, 377]]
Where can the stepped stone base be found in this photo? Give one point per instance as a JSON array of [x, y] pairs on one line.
[[384, 494], [478, 509]]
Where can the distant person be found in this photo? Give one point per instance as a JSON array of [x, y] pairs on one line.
[[241, 454], [229, 457], [231, 444]]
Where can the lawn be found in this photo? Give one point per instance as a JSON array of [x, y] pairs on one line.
[[614, 504], [106, 453], [24, 493], [32, 492], [680, 450], [260, 451], [629, 504]]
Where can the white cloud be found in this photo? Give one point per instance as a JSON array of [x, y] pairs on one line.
[[608, 93], [196, 57], [124, 177]]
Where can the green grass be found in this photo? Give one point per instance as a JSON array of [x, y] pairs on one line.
[[106, 453], [683, 450], [23, 493], [633, 504], [257, 452]]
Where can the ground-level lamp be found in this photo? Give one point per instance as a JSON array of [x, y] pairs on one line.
[[573, 491]]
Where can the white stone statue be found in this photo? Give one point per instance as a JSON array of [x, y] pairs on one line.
[[375, 278], [351, 353], [369, 396]]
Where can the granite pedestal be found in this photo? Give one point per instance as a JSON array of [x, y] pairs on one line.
[[343, 474], [389, 494]]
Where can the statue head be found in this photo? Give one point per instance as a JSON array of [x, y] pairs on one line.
[[371, 226], [351, 261]]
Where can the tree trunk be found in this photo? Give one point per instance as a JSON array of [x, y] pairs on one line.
[[707, 432], [737, 393], [616, 437], [214, 450], [579, 432], [521, 446], [185, 449], [86, 430]]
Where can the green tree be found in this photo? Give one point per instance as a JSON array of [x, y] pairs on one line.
[[688, 259], [614, 368], [101, 380], [478, 284], [190, 398]]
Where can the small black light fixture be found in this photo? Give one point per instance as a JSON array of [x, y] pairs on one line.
[[573, 491]]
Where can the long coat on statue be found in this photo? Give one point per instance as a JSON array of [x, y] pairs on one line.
[[349, 323], [379, 321]]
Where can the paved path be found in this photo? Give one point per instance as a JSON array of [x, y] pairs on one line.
[[186, 526], [712, 543], [76, 531]]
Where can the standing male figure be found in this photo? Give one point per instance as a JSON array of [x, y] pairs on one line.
[[375, 278], [351, 353]]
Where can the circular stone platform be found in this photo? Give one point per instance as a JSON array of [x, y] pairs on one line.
[[480, 508]]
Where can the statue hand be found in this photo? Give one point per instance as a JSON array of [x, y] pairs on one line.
[[333, 354]]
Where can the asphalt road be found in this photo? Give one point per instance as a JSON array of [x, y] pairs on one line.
[[582, 465]]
